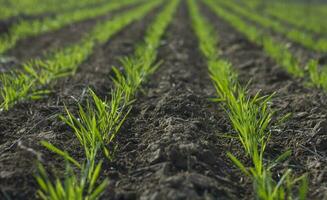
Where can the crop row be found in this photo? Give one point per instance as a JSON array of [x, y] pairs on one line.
[[293, 14], [37, 74], [98, 123], [276, 50], [250, 118], [12, 8], [27, 28], [295, 35]]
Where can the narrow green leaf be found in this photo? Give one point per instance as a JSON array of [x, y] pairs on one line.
[[238, 164]]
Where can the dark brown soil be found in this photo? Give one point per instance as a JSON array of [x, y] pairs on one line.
[[305, 132], [5, 24], [26, 124]]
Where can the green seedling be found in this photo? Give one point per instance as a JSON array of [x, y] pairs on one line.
[[17, 86], [78, 187], [318, 78], [98, 123], [284, 57]]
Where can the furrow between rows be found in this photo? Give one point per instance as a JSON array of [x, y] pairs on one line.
[[169, 147]]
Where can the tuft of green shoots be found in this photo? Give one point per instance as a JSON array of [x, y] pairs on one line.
[[249, 116], [137, 67], [318, 77], [17, 86], [98, 123], [283, 56], [78, 187]]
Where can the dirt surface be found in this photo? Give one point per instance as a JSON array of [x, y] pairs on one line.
[[26, 124], [5, 25], [305, 132]]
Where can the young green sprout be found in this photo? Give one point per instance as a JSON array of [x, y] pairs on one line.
[[78, 187], [318, 77]]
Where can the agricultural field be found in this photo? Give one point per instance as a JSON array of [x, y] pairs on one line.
[[163, 99]]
